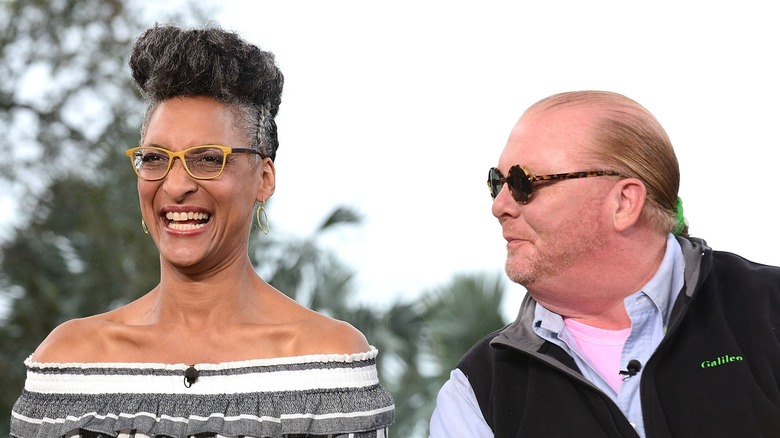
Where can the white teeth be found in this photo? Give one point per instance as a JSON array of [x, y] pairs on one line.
[[186, 216], [185, 227]]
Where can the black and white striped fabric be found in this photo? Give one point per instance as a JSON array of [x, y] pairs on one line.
[[317, 395]]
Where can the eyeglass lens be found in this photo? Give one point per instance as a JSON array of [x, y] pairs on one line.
[[201, 162]]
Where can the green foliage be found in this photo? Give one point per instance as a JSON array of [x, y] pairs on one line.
[[61, 94], [462, 313]]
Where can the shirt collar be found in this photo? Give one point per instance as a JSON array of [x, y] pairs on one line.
[[668, 281]]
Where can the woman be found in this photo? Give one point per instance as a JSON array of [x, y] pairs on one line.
[[212, 350]]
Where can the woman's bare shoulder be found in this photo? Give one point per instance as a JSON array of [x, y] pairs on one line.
[[77, 340], [89, 339], [324, 334], [316, 333]]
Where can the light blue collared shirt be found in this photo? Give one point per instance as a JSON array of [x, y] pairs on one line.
[[649, 310]]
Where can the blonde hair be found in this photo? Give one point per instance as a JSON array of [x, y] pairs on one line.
[[627, 138]]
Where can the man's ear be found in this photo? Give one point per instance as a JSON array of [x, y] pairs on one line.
[[267, 182], [629, 195]]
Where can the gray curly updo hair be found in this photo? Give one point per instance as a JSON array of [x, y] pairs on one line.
[[168, 61]]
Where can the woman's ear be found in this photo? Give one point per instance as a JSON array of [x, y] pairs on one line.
[[267, 181], [630, 195]]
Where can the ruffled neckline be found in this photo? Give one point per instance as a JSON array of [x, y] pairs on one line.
[[277, 361]]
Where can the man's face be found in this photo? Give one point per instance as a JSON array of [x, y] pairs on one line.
[[553, 238]]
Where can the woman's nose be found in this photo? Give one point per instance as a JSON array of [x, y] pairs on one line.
[[178, 183]]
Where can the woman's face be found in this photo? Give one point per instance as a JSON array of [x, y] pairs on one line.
[[202, 225]]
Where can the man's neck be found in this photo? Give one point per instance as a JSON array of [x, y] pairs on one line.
[[594, 294]]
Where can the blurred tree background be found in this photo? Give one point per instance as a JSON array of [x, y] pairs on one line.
[[67, 112]]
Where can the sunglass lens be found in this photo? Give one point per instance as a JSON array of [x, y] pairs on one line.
[[519, 184], [495, 181]]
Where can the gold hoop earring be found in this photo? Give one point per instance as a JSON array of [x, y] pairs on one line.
[[144, 227], [261, 212]]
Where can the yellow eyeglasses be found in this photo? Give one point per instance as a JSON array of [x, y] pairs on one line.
[[200, 162]]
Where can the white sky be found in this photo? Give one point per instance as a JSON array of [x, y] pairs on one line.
[[399, 108]]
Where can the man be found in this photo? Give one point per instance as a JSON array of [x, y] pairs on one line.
[[630, 328]]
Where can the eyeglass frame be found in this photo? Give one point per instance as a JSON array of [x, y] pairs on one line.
[[526, 185], [180, 155]]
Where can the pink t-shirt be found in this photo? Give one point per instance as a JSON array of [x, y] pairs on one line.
[[601, 348]]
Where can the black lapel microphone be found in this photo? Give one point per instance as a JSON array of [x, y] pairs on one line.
[[191, 375], [632, 368]]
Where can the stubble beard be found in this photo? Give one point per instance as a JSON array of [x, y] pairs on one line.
[[565, 250]]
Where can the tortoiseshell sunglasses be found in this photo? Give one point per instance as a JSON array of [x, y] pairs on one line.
[[520, 182]]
